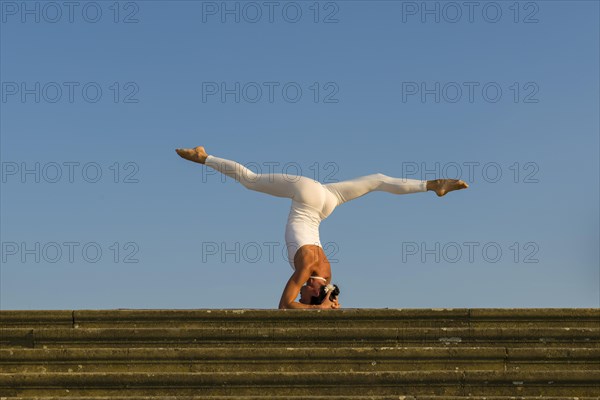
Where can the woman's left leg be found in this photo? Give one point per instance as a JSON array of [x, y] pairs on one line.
[[298, 188]]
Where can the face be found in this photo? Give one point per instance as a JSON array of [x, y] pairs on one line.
[[312, 288]]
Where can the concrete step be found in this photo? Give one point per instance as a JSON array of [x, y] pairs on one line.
[[310, 397], [296, 359], [277, 336], [251, 354], [354, 318], [558, 382]]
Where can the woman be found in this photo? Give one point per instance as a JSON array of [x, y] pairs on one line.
[[312, 202]]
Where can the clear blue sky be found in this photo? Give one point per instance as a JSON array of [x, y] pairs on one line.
[[508, 92]]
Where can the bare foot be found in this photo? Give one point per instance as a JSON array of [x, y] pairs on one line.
[[443, 186], [197, 154]]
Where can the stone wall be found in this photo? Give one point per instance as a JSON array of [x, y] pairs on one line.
[[301, 354]]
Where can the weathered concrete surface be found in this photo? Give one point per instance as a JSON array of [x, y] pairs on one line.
[[298, 359], [309, 397], [423, 354], [280, 335], [457, 317]]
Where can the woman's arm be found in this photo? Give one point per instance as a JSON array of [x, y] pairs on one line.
[[292, 289], [306, 263]]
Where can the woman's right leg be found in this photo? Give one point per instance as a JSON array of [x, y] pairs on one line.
[[358, 187]]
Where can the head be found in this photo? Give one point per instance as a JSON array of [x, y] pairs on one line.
[[310, 289]]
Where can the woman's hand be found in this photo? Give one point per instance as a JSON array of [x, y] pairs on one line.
[[328, 304]]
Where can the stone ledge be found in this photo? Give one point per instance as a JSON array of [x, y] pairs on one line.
[[8, 317], [308, 354], [548, 383], [309, 397], [312, 353]]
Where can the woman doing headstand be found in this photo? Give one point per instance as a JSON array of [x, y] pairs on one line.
[[312, 202]]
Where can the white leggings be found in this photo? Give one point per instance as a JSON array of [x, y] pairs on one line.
[[307, 190], [312, 201]]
